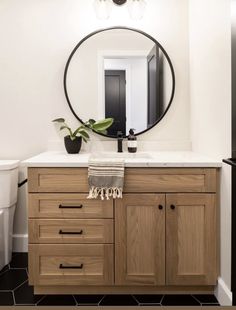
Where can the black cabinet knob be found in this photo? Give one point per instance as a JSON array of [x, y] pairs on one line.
[[172, 207], [160, 207]]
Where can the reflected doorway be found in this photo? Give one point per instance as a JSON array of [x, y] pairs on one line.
[[115, 100]]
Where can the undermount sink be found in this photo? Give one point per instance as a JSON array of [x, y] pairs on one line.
[[124, 155]]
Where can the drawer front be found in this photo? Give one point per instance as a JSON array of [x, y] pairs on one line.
[[71, 231], [136, 180], [71, 264], [68, 206], [170, 180], [62, 180]]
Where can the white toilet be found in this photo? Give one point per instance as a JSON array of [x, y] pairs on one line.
[[8, 199]]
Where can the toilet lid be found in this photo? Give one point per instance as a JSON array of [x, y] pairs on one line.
[[8, 164]]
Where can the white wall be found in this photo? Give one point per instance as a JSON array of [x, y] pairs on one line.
[[37, 37], [210, 93]]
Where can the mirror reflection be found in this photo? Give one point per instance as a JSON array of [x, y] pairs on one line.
[[122, 74]]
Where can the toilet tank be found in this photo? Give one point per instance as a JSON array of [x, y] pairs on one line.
[[8, 182]]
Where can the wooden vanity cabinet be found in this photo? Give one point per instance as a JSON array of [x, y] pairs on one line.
[[161, 237]]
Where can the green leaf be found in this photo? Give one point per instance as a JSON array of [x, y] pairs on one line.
[[72, 138], [59, 120], [102, 125], [81, 129], [85, 140], [68, 128], [91, 121], [84, 135]]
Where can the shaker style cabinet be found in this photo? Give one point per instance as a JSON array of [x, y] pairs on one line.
[[191, 239], [161, 236], [165, 239], [140, 239]]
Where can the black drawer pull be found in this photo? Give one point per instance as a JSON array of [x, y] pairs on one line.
[[61, 232], [71, 267], [70, 207], [172, 207], [160, 207]]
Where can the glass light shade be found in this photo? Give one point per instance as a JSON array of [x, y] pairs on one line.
[[103, 8], [136, 9]]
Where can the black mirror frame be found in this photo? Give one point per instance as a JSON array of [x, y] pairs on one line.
[[125, 28]]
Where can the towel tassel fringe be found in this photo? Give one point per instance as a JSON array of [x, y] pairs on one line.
[[105, 192]]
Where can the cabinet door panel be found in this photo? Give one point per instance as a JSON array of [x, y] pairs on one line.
[[190, 239], [140, 240]]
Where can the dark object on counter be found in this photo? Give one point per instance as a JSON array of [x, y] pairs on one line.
[[119, 141], [72, 146], [132, 142]]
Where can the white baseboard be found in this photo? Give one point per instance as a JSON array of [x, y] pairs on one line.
[[223, 293], [20, 243]]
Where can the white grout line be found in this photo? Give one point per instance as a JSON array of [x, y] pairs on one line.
[[76, 303], [20, 285], [13, 298], [40, 300], [101, 300], [196, 299], [162, 300], [136, 300]]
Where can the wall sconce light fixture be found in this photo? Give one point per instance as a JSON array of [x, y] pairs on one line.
[[103, 8]]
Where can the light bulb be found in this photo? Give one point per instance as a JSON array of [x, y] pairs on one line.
[[136, 8], [103, 8]]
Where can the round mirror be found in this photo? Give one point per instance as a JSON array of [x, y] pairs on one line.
[[120, 73]]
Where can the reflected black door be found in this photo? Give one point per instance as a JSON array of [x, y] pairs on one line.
[[154, 104], [115, 100]]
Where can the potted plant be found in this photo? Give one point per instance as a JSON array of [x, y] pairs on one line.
[[73, 140]]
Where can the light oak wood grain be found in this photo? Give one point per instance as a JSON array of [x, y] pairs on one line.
[[97, 263], [155, 251], [140, 240], [58, 180], [170, 180], [48, 206], [136, 180], [59, 231], [191, 253]]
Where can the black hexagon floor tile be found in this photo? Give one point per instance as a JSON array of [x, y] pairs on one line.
[[12, 278], [210, 305], [118, 300], [179, 300], [206, 299], [4, 269], [57, 300], [24, 295], [91, 300], [6, 299], [19, 260], [149, 299]]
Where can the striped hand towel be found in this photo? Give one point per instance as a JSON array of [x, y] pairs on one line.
[[105, 178]]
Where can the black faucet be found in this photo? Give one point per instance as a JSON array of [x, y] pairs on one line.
[[119, 141]]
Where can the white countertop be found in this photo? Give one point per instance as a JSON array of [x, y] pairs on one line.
[[139, 159]]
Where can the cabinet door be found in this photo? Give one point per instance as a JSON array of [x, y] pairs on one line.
[[191, 239], [140, 240]]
